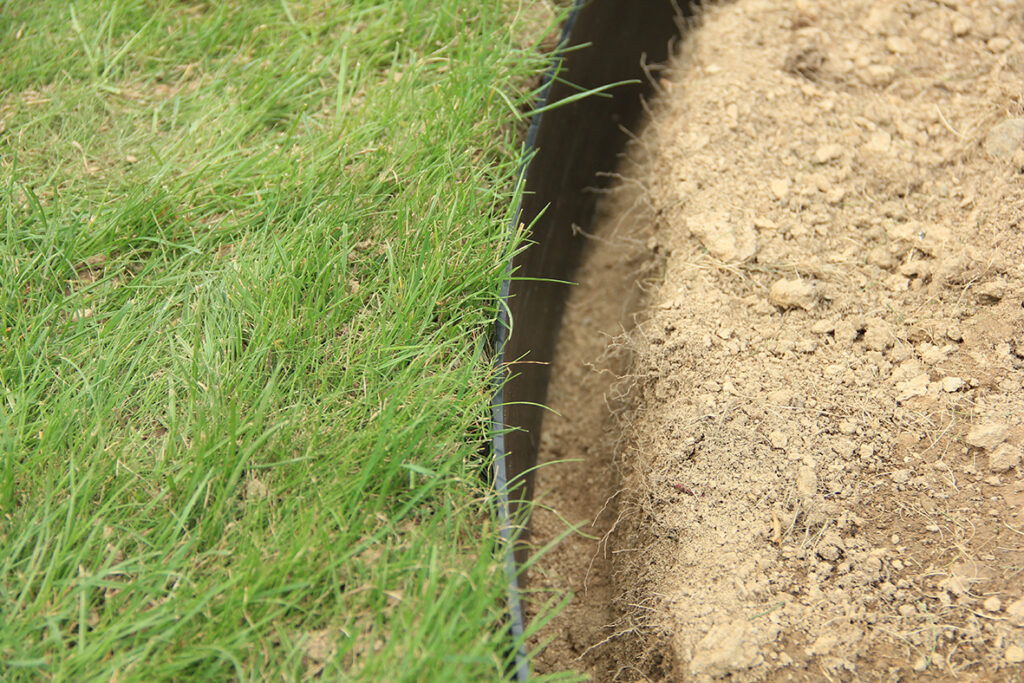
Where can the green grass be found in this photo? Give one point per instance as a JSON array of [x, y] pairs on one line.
[[249, 261]]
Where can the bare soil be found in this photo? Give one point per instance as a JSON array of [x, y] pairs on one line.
[[792, 377]]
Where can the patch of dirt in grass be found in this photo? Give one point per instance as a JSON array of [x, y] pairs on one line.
[[817, 467], [531, 20]]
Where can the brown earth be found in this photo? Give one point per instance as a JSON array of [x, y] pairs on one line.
[[802, 445]]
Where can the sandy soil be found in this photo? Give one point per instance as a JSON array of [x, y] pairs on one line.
[[802, 446]]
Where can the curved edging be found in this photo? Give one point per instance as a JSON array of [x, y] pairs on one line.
[[604, 41]]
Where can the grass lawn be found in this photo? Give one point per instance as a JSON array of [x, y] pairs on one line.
[[250, 257]]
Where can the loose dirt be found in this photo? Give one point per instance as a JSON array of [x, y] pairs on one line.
[[801, 432]]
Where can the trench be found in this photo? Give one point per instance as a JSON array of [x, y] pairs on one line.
[[576, 146], [578, 477]]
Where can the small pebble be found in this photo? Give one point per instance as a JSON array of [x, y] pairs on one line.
[[806, 482], [1015, 610], [827, 153], [779, 188], [993, 604], [831, 547], [793, 294], [844, 447], [987, 435], [878, 75], [911, 388], [951, 384], [878, 142], [806, 345], [931, 35], [961, 26], [1004, 457], [881, 19], [1005, 138], [836, 195], [823, 327], [899, 45], [998, 44], [879, 335]]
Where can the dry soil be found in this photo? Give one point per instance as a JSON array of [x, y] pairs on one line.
[[792, 378]]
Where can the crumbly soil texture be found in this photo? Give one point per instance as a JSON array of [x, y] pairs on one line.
[[790, 393]]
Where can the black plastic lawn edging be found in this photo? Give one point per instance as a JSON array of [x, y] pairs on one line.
[[604, 42]]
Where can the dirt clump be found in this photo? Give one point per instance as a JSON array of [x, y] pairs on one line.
[[812, 455]]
